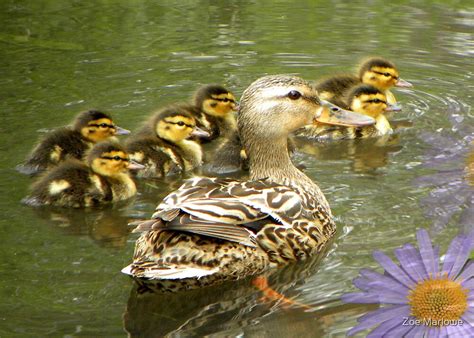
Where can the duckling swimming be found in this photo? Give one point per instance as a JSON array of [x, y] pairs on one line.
[[363, 99], [88, 128], [164, 145], [214, 111], [212, 229], [375, 71], [230, 155], [102, 179]]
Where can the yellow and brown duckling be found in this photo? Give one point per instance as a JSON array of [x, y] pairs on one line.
[[214, 111], [212, 229], [164, 145], [73, 141], [375, 71], [363, 99], [104, 178]]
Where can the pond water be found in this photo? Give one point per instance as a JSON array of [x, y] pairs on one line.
[[61, 269]]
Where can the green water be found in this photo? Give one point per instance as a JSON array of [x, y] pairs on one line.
[[60, 270]]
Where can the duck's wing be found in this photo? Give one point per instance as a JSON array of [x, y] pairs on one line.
[[226, 209]]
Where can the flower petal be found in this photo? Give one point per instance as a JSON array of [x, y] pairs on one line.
[[467, 273], [383, 314], [459, 331], [411, 262], [418, 331], [400, 330], [394, 270], [461, 258], [359, 298], [387, 280], [386, 327], [468, 317], [430, 260], [451, 254]]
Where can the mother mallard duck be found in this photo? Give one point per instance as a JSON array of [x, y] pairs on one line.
[[214, 229]]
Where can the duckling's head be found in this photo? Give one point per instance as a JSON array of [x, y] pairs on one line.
[[367, 100], [215, 100], [381, 73], [96, 126], [276, 105], [109, 159], [175, 124]]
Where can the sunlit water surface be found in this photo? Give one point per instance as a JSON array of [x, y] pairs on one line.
[[61, 269]]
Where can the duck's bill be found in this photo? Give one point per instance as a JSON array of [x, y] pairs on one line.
[[121, 131], [132, 165], [393, 107], [334, 115], [403, 83], [198, 132]]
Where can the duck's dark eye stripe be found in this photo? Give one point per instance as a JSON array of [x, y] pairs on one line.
[[226, 99], [116, 158], [103, 125], [181, 123], [385, 74], [376, 101]]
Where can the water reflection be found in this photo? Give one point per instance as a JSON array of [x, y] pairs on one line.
[[234, 307], [451, 153], [365, 155], [108, 227]]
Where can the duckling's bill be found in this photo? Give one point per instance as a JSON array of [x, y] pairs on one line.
[[132, 165], [334, 115], [121, 131], [402, 83], [198, 132]]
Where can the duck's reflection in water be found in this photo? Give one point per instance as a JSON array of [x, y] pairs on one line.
[[107, 226], [234, 308], [366, 155]]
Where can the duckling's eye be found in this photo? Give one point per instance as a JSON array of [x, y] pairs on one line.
[[387, 74], [180, 123], [376, 101], [294, 95], [117, 158], [103, 125]]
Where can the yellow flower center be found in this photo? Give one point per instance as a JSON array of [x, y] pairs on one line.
[[435, 301]]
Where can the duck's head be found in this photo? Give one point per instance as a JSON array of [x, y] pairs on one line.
[[381, 73], [276, 105], [96, 126], [175, 124], [215, 100], [368, 100], [109, 159]]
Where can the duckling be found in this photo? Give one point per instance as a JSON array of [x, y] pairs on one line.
[[164, 146], [375, 71], [103, 178], [230, 155], [88, 128], [214, 111], [363, 99], [213, 229]]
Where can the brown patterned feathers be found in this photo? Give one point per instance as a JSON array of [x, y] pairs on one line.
[[213, 229]]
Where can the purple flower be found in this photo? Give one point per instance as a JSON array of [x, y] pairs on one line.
[[421, 298], [452, 193]]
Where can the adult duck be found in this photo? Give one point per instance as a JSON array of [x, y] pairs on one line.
[[214, 229]]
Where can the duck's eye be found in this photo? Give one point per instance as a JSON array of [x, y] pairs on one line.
[[103, 125], [387, 74], [117, 158], [294, 95], [180, 123], [376, 101]]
